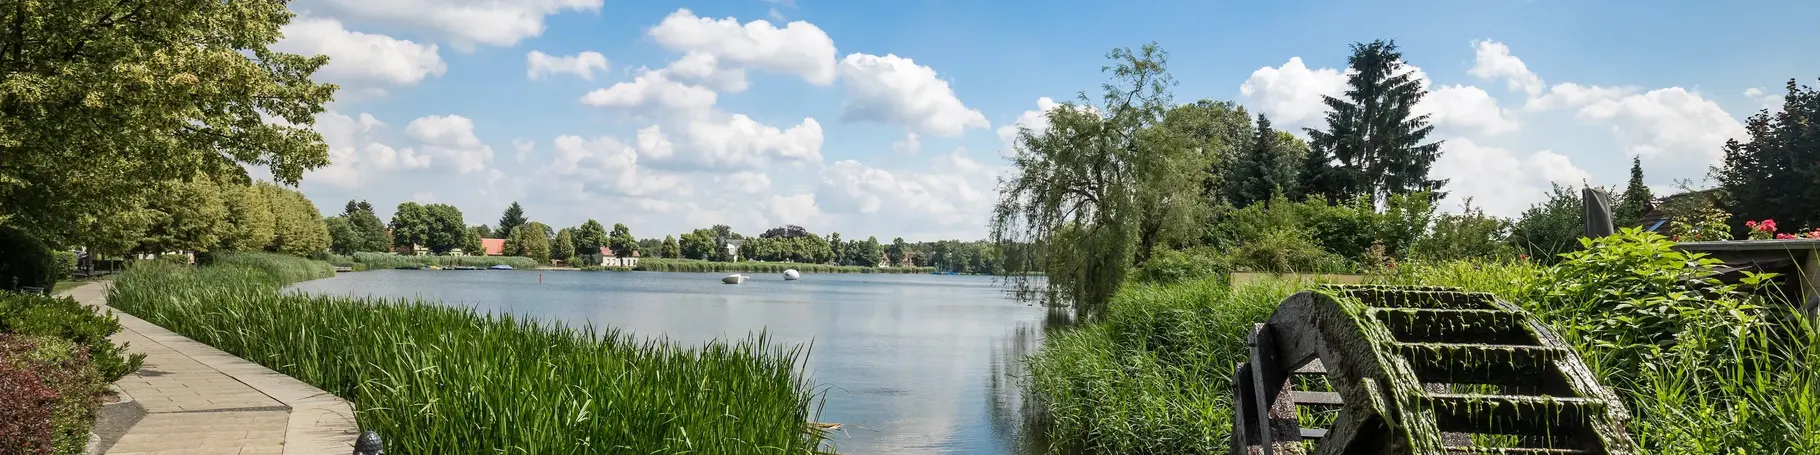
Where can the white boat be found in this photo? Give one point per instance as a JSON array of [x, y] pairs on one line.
[[734, 279], [792, 275]]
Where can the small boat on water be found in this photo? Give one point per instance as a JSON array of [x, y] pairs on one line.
[[500, 267], [734, 279], [463, 267], [792, 275], [435, 267], [409, 267]]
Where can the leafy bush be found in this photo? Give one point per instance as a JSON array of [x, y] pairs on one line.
[[1287, 252], [1549, 228], [64, 318], [65, 262], [1173, 266], [68, 381], [1470, 234], [26, 259], [1634, 296], [25, 410]]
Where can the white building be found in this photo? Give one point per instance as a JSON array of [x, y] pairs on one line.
[[608, 259]]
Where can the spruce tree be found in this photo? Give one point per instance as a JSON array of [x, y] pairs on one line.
[[513, 218], [1635, 202], [1261, 169], [1374, 133]]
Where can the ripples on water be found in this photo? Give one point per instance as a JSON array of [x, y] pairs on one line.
[[912, 364]]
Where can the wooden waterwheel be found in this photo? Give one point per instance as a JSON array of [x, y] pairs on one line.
[[1418, 371]]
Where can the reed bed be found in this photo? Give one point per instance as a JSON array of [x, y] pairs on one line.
[[371, 261], [694, 265], [434, 379]]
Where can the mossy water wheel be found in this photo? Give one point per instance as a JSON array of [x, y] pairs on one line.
[[1419, 371]]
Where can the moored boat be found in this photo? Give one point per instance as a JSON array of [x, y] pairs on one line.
[[734, 279], [792, 275], [500, 267]]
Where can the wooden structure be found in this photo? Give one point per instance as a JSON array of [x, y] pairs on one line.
[[1793, 258], [1417, 371]]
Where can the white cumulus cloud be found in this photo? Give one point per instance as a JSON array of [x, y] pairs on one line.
[[798, 48], [356, 57], [583, 65], [896, 90]]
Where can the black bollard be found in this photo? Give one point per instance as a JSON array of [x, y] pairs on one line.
[[369, 444]]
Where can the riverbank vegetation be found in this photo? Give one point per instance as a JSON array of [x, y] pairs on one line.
[[1141, 205], [692, 265], [1703, 367], [438, 379]]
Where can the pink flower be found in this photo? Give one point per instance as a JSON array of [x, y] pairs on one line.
[[1784, 236], [1750, 224], [1767, 225]]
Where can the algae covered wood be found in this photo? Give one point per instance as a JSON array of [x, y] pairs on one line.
[[1419, 370]]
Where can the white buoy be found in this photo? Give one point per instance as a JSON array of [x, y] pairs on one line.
[[791, 275], [734, 279]]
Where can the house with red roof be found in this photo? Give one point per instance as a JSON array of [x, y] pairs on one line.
[[608, 259], [493, 247]]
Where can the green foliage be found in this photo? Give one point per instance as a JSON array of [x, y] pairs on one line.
[[26, 259], [1636, 199], [696, 265], [1703, 224], [590, 236], [1552, 227], [562, 248], [63, 318], [298, 225], [184, 216], [528, 240], [470, 241], [445, 230], [367, 227], [1468, 235], [1176, 266], [513, 217], [69, 382], [1155, 377], [250, 218], [1286, 251], [807, 248], [64, 262], [1633, 295], [410, 225], [1266, 168], [698, 244], [425, 372], [1769, 175], [1100, 187], [621, 241], [371, 261], [670, 249], [1374, 133], [104, 100], [342, 238]]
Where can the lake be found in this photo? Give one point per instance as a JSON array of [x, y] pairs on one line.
[[911, 364]]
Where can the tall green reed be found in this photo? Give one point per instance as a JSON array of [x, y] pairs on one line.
[[436, 379]]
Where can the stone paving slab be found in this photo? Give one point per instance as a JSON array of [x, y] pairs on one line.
[[200, 400]]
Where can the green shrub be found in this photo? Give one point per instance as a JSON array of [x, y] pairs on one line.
[[73, 387], [174, 259], [26, 259], [1287, 252], [65, 262], [1173, 266], [64, 318]]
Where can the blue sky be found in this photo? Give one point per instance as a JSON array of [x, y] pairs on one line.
[[669, 116]]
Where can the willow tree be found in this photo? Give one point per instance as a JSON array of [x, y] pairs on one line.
[[1091, 184], [100, 101]]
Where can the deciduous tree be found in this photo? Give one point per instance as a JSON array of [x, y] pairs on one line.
[[562, 248], [100, 101], [1771, 173], [621, 241]]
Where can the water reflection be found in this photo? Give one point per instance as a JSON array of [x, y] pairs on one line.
[[910, 364]]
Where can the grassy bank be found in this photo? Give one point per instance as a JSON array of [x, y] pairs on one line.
[[1703, 368], [435, 379], [692, 265]]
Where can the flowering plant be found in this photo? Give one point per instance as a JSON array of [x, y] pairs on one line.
[[1761, 230]]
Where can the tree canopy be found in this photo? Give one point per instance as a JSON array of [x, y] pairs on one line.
[[513, 217], [100, 102], [1771, 174], [1378, 141]]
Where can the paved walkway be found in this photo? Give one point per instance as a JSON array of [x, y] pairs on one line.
[[202, 401]]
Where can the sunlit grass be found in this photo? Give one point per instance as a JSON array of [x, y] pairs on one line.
[[434, 379]]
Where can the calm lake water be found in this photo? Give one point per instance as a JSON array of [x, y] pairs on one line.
[[912, 364]]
